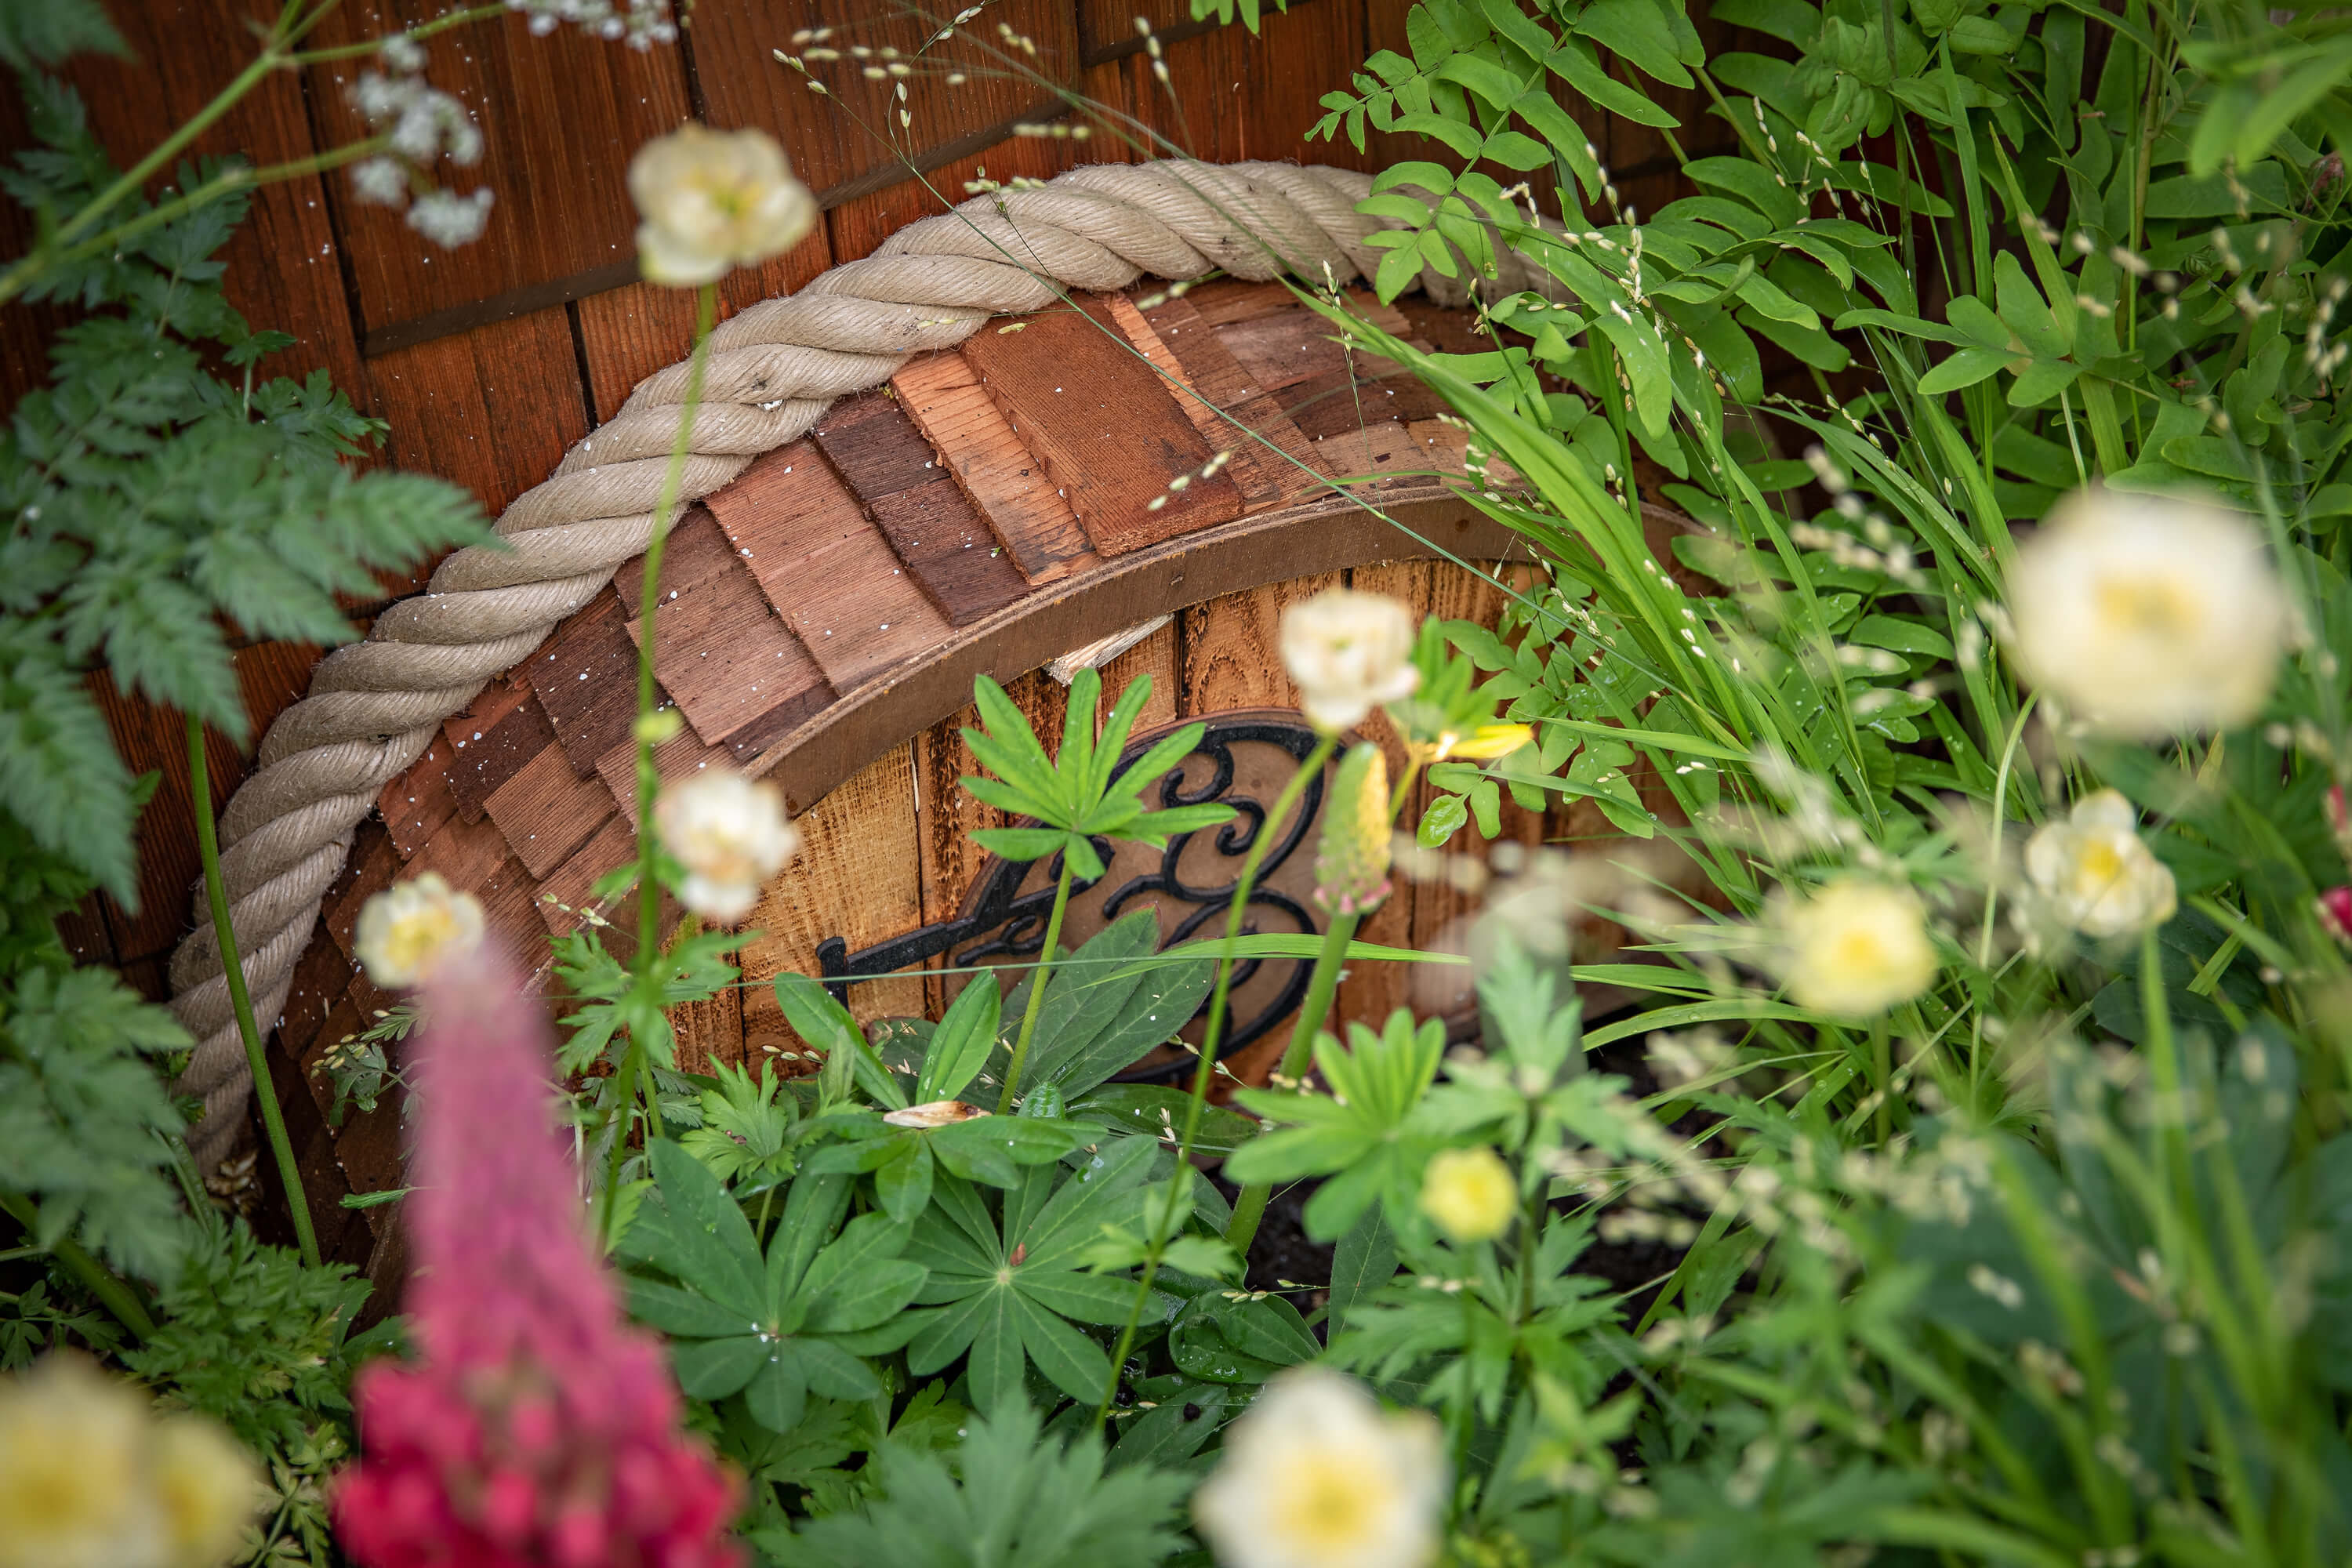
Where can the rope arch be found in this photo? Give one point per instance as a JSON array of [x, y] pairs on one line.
[[774, 369]]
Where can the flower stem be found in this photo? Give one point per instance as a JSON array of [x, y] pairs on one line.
[[645, 964], [1882, 1068], [1165, 1217], [273, 1121], [1249, 1208], [112, 1289], [1037, 992]]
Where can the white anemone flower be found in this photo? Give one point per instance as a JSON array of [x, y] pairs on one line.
[[410, 926], [730, 834], [2149, 615], [1349, 652], [714, 200], [1316, 1475], [2095, 875]]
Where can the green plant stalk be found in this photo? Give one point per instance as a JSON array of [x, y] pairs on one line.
[[1882, 1068], [1210, 1039], [273, 1120], [112, 1289], [1037, 991], [1249, 1208], [645, 964]]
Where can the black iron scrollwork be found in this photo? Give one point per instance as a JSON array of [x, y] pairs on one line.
[[1005, 922]]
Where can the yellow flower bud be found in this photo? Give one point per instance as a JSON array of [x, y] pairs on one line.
[[1352, 861], [1485, 743], [1856, 948], [1470, 1194]]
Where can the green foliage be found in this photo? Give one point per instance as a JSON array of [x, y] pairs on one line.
[[1010, 1283], [1014, 1496], [1075, 797], [153, 501], [772, 1328]]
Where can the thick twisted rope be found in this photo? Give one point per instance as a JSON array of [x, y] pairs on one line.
[[773, 371]]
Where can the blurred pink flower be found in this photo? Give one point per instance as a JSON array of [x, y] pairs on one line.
[[535, 1429]]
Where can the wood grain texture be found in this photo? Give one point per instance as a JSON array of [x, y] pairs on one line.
[[861, 222], [1106, 427], [1231, 96], [493, 410], [1232, 655], [696, 551], [1269, 447], [505, 728], [836, 137], [861, 835], [560, 117], [826, 566], [564, 893], [726, 658], [875, 446], [628, 334], [587, 680], [271, 678], [546, 811], [413, 806], [1002, 477], [951, 555]]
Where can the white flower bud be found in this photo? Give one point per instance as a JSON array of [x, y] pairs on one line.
[[410, 926], [1856, 948], [1348, 652], [730, 834], [713, 200]]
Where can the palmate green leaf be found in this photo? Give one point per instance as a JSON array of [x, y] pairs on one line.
[[1022, 1498]]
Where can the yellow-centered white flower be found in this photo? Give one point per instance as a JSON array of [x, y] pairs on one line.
[[406, 929], [1316, 1475], [1348, 652], [730, 834], [2095, 873], [90, 1476], [714, 200], [1856, 948], [1470, 1194], [2149, 615]]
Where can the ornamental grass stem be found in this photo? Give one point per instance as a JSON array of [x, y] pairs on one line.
[[645, 964], [273, 1120], [1037, 991], [1164, 1219], [1249, 1208]]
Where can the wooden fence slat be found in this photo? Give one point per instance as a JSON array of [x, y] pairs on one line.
[[839, 136]]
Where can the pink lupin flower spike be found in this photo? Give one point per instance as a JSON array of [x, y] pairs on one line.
[[536, 1430]]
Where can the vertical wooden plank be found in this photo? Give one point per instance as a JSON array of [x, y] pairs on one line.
[[1232, 653], [851, 130], [857, 877], [862, 222], [493, 410], [560, 117], [628, 334], [1441, 911], [1231, 96]]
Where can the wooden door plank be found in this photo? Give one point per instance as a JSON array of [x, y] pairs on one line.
[[414, 804], [505, 728], [875, 446], [831, 135], [695, 551], [1232, 653], [1002, 478], [826, 566], [857, 877], [1108, 430]]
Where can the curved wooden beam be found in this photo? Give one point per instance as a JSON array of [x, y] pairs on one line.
[[1431, 521]]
